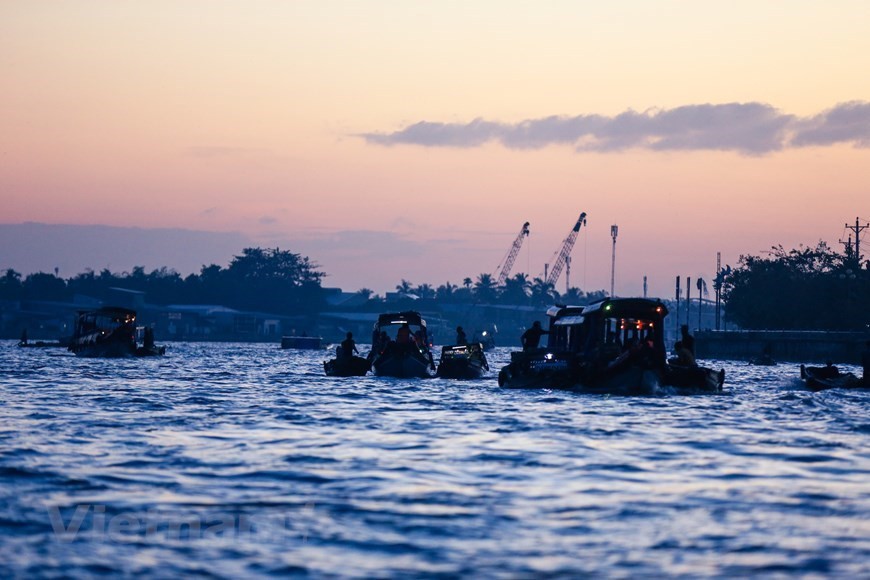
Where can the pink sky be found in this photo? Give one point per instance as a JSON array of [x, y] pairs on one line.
[[392, 140]]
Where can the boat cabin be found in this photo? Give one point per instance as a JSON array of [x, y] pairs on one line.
[[606, 328], [393, 323]]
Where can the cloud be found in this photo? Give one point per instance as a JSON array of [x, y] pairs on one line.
[[747, 128], [845, 123]]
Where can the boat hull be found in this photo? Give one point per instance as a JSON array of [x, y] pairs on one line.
[[545, 370], [354, 366], [824, 378], [403, 363]]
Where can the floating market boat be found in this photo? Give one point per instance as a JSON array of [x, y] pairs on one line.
[[615, 346], [830, 377], [400, 346], [111, 332], [462, 361]]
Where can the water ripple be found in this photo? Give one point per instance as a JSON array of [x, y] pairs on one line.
[[243, 460]]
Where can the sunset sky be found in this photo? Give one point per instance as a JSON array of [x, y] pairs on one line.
[[394, 139]]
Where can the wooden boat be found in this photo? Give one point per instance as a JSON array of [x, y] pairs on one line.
[[346, 366], [612, 346], [400, 346], [830, 377], [462, 361], [111, 332]]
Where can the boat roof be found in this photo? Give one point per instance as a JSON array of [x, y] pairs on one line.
[[109, 311], [408, 316], [628, 307]]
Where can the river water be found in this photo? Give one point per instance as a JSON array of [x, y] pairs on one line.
[[244, 460]]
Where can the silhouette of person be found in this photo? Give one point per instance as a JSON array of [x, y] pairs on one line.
[[532, 336], [684, 356], [688, 340], [23, 341], [460, 336], [403, 335], [148, 338], [348, 346]]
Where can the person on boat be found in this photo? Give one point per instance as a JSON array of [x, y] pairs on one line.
[[23, 341], [403, 335], [348, 346], [688, 340], [460, 336], [532, 336], [148, 338], [684, 356]]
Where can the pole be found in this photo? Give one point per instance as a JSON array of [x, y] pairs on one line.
[[677, 310], [718, 288], [614, 229], [688, 300], [644, 286]]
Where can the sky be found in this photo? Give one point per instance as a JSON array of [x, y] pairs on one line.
[[392, 140]]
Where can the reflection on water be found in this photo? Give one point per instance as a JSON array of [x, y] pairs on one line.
[[244, 460]]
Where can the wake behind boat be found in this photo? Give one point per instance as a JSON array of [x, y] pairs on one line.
[[612, 346], [400, 346], [111, 332]]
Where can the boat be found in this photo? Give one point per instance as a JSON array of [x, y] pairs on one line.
[[111, 332], [406, 354], [830, 377], [613, 346], [346, 366], [462, 361]]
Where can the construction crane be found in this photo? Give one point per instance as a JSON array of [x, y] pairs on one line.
[[511, 257], [562, 256]]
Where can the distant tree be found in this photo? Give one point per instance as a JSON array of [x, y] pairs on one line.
[[365, 292], [445, 291], [42, 286], [516, 290], [425, 292], [543, 293], [404, 287], [485, 288], [467, 282], [804, 288], [10, 285]]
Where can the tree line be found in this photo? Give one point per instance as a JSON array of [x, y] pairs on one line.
[[807, 288]]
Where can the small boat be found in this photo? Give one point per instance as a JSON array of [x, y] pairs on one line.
[[346, 366], [111, 332], [462, 361], [764, 360], [830, 377], [613, 346], [406, 356]]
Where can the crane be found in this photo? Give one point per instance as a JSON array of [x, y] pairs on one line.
[[512, 255], [562, 256]]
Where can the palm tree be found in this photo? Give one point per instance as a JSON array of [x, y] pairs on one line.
[[516, 289], [485, 288], [425, 291], [467, 283], [543, 293], [404, 288], [445, 291]]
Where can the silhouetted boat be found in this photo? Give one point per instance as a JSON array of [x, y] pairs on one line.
[[830, 377], [612, 346], [346, 366], [110, 332], [405, 351], [462, 361]]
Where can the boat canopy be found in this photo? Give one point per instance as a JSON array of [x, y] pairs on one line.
[[628, 308], [410, 317]]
